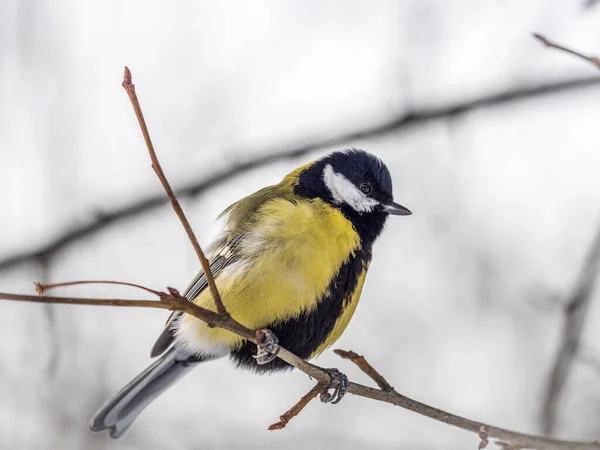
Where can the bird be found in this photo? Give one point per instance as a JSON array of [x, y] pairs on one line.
[[291, 260]]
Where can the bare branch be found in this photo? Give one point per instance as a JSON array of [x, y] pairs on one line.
[[592, 59], [506, 438], [173, 301], [575, 314], [130, 89], [41, 288], [367, 368], [297, 408], [270, 155]]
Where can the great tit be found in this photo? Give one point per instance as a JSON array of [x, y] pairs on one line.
[[292, 259]]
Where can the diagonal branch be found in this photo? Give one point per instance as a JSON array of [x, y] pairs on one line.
[[130, 89], [394, 124], [591, 59], [504, 438], [367, 368], [297, 408], [174, 301]]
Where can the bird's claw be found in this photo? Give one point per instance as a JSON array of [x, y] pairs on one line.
[[268, 349], [339, 383]]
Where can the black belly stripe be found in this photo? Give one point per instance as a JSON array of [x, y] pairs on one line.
[[302, 335]]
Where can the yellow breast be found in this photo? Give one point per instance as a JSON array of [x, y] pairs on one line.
[[287, 261]]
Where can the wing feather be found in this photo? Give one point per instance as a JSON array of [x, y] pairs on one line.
[[240, 218], [225, 255]]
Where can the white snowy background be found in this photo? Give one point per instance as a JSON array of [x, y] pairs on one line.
[[462, 305]]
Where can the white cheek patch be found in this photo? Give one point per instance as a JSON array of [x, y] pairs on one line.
[[343, 191]]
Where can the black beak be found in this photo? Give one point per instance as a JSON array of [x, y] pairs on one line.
[[397, 210]]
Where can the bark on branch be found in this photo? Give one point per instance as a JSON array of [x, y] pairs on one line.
[[130, 89]]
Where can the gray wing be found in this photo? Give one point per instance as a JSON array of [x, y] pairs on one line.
[[225, 255]]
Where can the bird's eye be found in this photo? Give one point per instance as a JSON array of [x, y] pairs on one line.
[[366, 188]]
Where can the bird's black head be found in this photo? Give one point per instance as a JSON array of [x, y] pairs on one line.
[[357, 183]]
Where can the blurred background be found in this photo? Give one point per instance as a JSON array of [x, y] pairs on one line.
[[491, 140]]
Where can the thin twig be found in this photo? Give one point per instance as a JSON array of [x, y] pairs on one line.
[[367, 368], [592, 59], [575, 314], [83, 301], [41, 288], [297, 408], [269, 155], [130, 89], [222, 318]]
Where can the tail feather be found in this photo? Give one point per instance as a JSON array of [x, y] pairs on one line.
[[119, 412]]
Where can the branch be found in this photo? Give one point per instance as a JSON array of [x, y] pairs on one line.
[[174, 301], [591, 59], [271, 155], [83, 301], [367, 368], [297, 408], [41, 288], [575, 314], [506, 438], [130, 89]]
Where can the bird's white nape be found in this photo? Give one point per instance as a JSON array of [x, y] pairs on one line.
[[344, 191]]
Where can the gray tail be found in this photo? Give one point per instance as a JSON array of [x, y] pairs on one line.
[[119, 412]]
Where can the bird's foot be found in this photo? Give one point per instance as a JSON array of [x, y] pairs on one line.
[[339, 383], [268, 349]]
